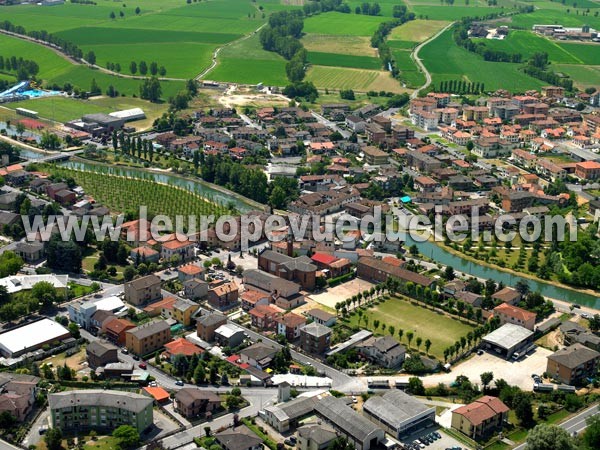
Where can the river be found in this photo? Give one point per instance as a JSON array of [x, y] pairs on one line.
[[166, 178], [459, 264]]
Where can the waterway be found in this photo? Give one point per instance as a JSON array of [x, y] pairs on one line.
[[459, 264], [190, 185]]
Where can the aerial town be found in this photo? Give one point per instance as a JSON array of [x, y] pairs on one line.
[[247, 225]]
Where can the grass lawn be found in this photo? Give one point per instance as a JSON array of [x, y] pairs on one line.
[[446, 61], [409, 72], [417, 30], [79, 290], [583, 76], [103, 443], [442, 330]]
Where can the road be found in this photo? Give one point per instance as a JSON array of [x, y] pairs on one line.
[[415, 57], [331, 125], [575, 424]]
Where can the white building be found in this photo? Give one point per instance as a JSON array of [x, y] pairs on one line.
[[82, 312], [18, 283], [31, 337]]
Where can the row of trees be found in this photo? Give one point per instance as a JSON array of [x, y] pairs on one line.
[[67, 47], [461, 37], [25, 68], [311, 8], [378, 40], [461, 87]]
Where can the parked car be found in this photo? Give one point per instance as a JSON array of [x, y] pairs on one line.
[[125, 351], [179, 383], [143, 365]]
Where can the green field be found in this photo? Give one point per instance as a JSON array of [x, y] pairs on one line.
[[439, 12], [63, 109], [584, 76], [343, 45], [56, 69], [344, 24], [246, 62], [446, 61], [527, 43], [442, 330], [358, 79], [417, 30], [409, 72], [558, 16], [332, 59]]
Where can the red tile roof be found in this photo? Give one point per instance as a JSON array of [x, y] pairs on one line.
[[159, 394], [515, 312], [482, 409], [323, 258], [182, 347]]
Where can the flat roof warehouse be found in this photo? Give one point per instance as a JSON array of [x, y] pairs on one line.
[[30, 337]]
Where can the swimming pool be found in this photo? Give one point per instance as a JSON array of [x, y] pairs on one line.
[[37, 93]]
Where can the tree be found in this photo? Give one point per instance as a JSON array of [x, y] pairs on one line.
[[486, 379], [53, 439], [150, 89], [340, 443], [523, 409], [20, 128], [409, 337], [138, 10], [419, 341], [415, 386], [591, 437], [143, 67], [112, 15], [127, 435], [91, 57], [133, 67], [153, 68], [550, 437], [74, 330], [45, 292], [522, 287], [63, 256], [427, 346], [449, 273]]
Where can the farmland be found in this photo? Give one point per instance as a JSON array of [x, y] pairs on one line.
[[446, 61], [345, 45], [120, 194], [332, 59], [342, 24], [417, 30], [358, 79], [442, 330]]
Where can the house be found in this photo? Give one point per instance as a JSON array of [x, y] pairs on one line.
[[513, 314], [162, 307], [288, 414], [299, 269], [148, 338], [31, 252], [315, 437], [239, 438], [191, 402], [189, 272], [374, 269], [289, 325], [229, 335], [285, 294], [195, 289], [17, 394], [181, 346], [251, 298], [223, 296], [258, 355], [207, 324], [264, 317], [143, 290], [144, 254], [384, 351], [481, 418], [115, 329], [355, 123], [99, 354], [321, 317], [574, 364], [587, 170], [374, 156], [183, 311], [315, 338], [183, 250], [507, 295], [574, 333], [398, 413]]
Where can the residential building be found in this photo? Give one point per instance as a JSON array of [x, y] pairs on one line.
[[374, 156], [481, 418], [515, 315], [115, 329], [384, 351], [181, 346], [289, 325], [264, 317], [315, 338], [574, 364], [148, 338], [183, 311], [507, 295], [195, 289], [321, 317], [189, 272], [588, 170], [285, 294], [143, 290], [181, 249], [258, 355], [99, 354], [223, 296], [239, 438], [99, 409], [252, 298], [374, 269], [299, 269], [399, 414], [144, 254], [315, 437], [287, 415], [192, 403], [207, 324], [17, 394], [574, 333], [229, 335]]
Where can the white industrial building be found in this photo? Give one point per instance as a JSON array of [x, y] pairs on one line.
[[31, 337], [18, 283], [129, 115]]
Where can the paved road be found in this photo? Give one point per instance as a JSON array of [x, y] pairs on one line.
[[575, 424], [331, 125]]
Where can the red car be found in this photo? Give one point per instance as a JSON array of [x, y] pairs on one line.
[[143, 365]]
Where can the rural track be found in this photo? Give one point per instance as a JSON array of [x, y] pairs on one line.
[[415, 57], [214, 62]]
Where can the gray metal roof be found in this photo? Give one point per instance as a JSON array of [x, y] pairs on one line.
[[293, 409], [395, 408], [148, 329], [508, 336], [346, 419], [100, 397], [316, 329]]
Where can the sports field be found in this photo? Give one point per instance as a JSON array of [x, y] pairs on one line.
[[358, 79], [446, 61], [442, 330]]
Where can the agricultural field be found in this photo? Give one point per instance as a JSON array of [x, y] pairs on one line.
[[63, 109], [358, 79], [417, 30], [56, 69], [442, 330], [120, 194], [335, 60], [344, 45], [555, 16], [584, 76], [446, 61], [409, 72], [247, 63], [342, 24]]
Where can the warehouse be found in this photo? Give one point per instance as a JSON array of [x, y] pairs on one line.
[[31, 337], [508, 340], [398, 413], [129, 115]]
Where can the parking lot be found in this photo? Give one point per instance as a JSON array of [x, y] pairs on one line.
[[426, 439]]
